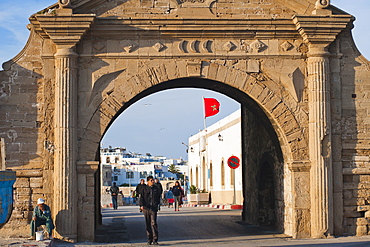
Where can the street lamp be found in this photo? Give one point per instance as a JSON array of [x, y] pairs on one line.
[[220, 137]]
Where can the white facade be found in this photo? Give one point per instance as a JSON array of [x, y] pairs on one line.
[[123, 167], [209, 151]]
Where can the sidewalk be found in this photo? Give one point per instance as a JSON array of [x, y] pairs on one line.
[[218, 206], [23, 242]]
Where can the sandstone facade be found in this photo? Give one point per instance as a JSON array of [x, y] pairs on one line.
[[292, 64]]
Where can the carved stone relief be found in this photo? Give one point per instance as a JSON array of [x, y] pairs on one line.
[[322, 4], [159, 47], [128, 46], [98, 46], [257, 46], [195, 46], [286, 46], [229, 46]]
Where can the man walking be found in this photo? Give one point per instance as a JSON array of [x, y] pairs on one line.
[[114, 190], [159, 185], [138, 190], [149, 201]]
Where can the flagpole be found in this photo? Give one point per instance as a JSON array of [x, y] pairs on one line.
[[204, 115]]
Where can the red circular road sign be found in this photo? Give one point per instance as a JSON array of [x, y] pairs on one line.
[[233, 162]]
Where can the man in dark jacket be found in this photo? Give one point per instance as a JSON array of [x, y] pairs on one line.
[[149, 201], [138, 190], [114, 190], [139, 187], [159, 185]]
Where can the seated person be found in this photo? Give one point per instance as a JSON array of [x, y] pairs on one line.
[[41, 216]]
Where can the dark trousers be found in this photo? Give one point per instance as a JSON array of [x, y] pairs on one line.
[[151, 224], [177, 201], [114, 202], [48, 223]]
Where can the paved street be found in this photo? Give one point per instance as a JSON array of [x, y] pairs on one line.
[[197, 227]]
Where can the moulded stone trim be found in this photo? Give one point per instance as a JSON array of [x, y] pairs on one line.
[[159, 46]]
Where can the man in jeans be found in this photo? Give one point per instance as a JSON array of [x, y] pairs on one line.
[[114, 190], [149, 201]]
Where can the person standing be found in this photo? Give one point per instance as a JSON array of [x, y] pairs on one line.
[[149, 200], [159, 185], [169, 197], [114, 190], [41, 216], [139, 187], [177, 193], [138, 190]]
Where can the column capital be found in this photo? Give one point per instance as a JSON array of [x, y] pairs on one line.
[[300, 166], [321, 29], [318, 50], [65, 51], [64, 29], [87, 167]]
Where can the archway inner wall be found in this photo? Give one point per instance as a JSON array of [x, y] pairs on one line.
[[257, 143]]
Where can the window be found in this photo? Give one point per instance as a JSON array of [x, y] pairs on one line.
[[115, 178], [108, 159], [116, 160], [129, 174], [143, 174]]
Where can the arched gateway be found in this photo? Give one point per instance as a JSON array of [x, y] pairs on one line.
[[291, 64]]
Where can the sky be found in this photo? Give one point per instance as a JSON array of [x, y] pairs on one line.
[[159, 123]]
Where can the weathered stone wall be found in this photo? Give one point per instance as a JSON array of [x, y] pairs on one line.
[[352, 129], [26, 126]]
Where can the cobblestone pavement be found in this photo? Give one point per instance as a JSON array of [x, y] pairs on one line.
[[203, 227]]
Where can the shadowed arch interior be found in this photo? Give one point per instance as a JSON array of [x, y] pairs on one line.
[[255, 120]]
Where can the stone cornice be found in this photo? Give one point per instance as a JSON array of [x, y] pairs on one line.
[[190, 28], [63, 30], [321, 30]]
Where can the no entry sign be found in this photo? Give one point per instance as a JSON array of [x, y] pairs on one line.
[[233, 162]]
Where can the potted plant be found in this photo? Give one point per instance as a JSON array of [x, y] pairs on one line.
[[193, 196], [203, 197]]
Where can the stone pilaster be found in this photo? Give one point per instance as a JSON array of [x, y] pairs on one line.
[[65, 29], [301, 198], [318, 86], [320, 141], [86, 199], [65, 179]]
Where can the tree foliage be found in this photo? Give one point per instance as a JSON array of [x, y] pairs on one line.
[[173, 169]]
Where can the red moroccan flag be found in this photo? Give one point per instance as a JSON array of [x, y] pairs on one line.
[[211, 107]]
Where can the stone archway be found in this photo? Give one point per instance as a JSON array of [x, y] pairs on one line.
[[96, 58]]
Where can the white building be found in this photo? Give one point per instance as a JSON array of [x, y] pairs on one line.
[[209, 151], [127, 168]]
